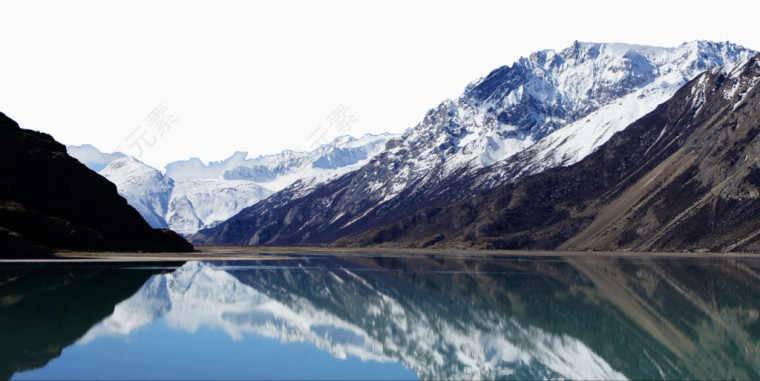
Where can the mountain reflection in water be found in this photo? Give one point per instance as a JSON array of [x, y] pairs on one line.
[[467, 317]]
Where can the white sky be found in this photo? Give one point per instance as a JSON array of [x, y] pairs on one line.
[[262, 76]]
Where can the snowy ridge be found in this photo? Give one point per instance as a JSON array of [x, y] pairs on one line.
[[275, 172], [92, 157], [675, 67], [199, 294], [562, 105]]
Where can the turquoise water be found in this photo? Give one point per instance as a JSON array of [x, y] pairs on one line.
[[324, 317]]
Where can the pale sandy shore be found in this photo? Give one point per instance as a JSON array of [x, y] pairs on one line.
[[258, 253]]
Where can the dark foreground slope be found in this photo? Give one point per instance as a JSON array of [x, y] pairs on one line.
[[50, 200], [684, 177]]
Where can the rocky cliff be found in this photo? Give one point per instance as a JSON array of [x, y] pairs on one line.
[[49, 200]]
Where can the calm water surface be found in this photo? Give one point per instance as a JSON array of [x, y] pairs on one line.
[[322, 317]]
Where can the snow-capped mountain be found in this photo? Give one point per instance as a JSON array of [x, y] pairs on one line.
[[192, 195], [682, 178], [184, 205], [546, 110], [480, 345], [577, 140]]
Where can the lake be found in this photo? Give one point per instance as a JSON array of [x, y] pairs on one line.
[[384, 317]]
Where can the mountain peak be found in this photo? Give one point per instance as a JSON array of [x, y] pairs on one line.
[[129, 166]]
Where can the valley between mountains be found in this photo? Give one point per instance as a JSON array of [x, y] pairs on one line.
[[599, 146]]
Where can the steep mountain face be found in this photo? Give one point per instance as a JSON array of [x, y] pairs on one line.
[[684, 177], [50, 200], [193, 196], [551, 109]]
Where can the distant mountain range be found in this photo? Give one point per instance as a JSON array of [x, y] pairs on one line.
[[191, 195]]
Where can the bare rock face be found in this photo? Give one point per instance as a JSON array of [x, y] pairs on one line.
[[49, 200], [685, 177]]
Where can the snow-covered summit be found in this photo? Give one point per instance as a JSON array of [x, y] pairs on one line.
[[674, 67], [548, 90]]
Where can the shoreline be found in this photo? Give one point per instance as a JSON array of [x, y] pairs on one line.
[[258, 253]]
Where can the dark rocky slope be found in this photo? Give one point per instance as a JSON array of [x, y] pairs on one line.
[[49, 200], [684, 177]]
